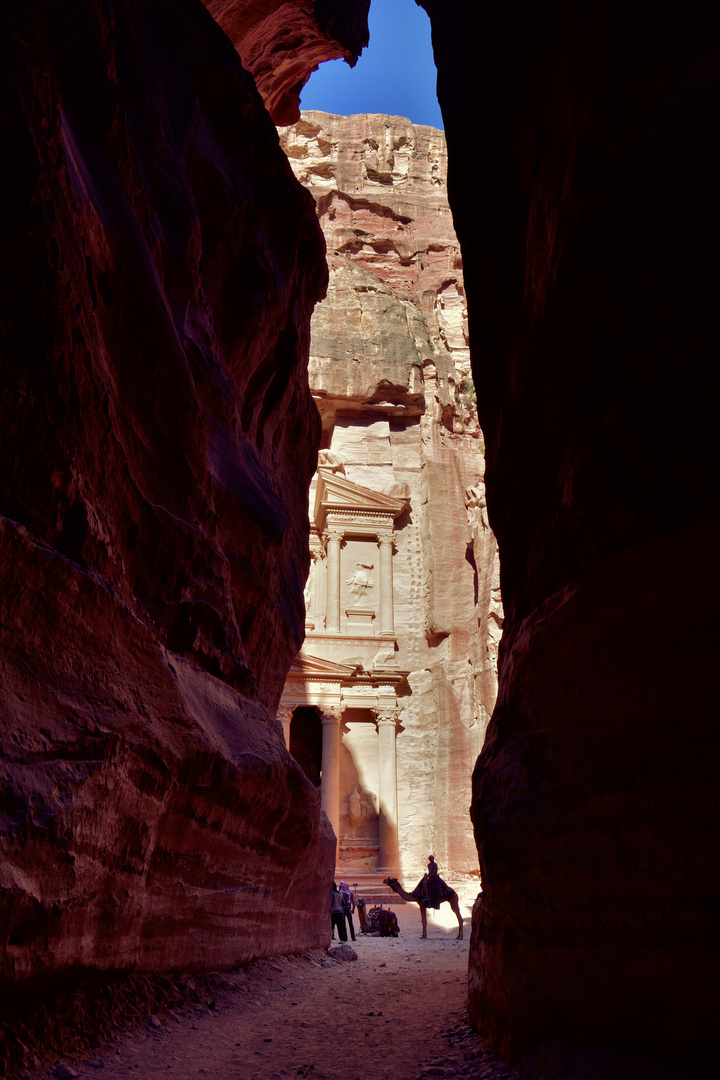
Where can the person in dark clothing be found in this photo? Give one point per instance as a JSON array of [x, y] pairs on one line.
[[337, 915], [433, 883], [348, 902]]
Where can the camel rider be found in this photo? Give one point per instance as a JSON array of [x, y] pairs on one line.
[[432, 883]]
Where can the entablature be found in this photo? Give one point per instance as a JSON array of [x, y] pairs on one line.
[[343, 505]]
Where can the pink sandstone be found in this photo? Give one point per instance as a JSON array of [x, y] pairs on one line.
[[389, 369]]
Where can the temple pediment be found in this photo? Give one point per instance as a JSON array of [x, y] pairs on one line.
[[305, 666], [308, 667], [336, 493]]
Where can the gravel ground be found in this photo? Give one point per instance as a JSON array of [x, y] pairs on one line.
[[398, 1012]]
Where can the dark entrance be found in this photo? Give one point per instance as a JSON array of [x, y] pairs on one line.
[[306, 742]]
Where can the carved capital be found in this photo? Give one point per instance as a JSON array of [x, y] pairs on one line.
[[387, 538], [331, 716], [317, 548], [332, 534], [285, 712], [387, 717]]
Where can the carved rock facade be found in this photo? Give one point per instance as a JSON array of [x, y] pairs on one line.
[[403, 606]]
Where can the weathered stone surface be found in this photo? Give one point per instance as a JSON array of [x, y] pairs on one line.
[[282, 43], [381, 187], [389, 369], [583, 181], [157, 436], [64, 1072], [342, 952]]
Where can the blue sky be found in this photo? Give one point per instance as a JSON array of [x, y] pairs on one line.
[[395, 74]]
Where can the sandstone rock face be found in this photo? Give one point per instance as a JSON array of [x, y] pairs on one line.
[[583, 181], [389, 369], [157, 438], [283, 43]]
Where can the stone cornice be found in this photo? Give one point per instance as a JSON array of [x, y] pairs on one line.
[[311, 669], [338, 501]]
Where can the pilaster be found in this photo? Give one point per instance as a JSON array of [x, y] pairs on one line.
[[388, 857], [284, 715], [330, 782], [387, 609], [333, 539]]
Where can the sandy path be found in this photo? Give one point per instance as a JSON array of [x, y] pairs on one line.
[[380, 1016], [396, 1013]]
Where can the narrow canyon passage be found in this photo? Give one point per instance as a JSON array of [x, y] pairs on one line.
[[397, 1013], [381, 1016], [521, 375]]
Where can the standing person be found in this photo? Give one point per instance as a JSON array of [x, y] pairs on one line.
[[337, 915], [433, 883], [348, 903]]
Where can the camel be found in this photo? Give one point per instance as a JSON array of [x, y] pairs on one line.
[[447, 895]]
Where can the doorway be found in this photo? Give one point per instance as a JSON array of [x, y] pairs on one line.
[[306, 742]]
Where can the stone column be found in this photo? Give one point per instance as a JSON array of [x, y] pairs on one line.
[[332, 616], [285, 714], [388, 858], [310, 596], [387, 613], [330, 782], [317, 553]]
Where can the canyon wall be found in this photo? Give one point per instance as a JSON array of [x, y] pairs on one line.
[[283, 41], [583, 180], [390, 373], [157, 436]]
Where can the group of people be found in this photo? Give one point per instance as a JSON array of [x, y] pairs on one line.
[[342, 909], [429, 891]]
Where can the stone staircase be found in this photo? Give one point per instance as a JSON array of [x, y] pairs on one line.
[[371, 889]]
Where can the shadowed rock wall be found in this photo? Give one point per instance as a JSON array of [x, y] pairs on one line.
[[159, 267], [584, 169]]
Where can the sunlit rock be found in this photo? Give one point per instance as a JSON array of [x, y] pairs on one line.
[[403, 604], [283, 41]]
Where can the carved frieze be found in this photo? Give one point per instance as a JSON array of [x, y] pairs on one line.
[[362, 517]]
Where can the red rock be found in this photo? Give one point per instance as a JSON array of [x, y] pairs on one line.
[[282, 43], [157, 436], [583, 179]]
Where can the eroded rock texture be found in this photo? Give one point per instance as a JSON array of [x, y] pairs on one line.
[[389, 368], [157, 437], [583, 181], [283, 43]]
